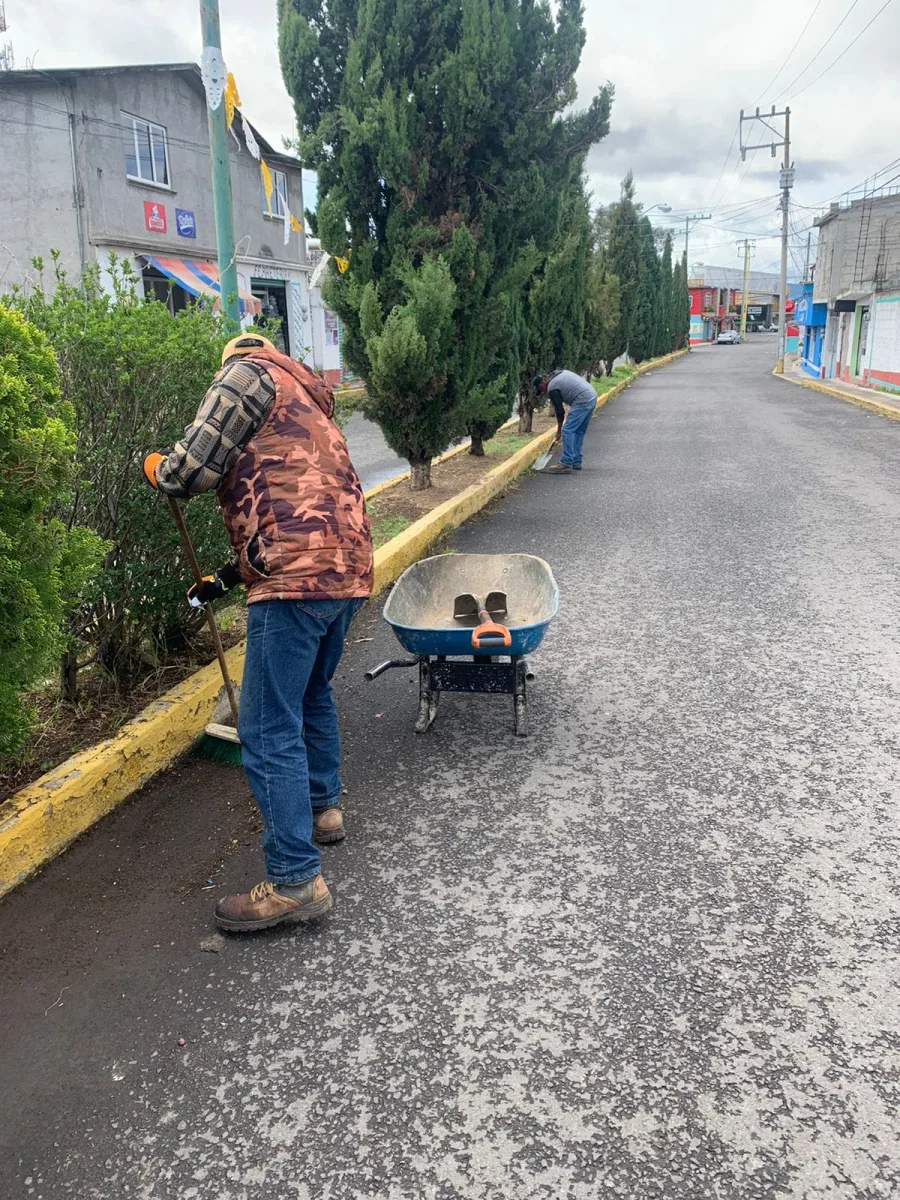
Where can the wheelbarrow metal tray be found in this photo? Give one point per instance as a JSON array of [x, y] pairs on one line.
[[420, 607]]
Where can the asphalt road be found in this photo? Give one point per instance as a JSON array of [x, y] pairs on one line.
[[649, 952], [374, 460]]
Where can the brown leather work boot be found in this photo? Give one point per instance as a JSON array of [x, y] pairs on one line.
[[269, 904], [328, 825]]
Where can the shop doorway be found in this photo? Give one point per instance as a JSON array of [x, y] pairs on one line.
[[862, 341], [272, 295], [164, 289]]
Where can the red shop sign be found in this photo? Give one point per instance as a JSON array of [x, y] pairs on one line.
[[155, 216]]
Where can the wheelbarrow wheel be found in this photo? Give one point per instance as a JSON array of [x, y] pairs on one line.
[[521, 717]]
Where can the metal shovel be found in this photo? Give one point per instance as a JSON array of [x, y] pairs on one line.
[[543, 459], [468, 605]]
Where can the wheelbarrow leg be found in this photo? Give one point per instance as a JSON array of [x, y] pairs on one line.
[[519, 699], [428, 698]]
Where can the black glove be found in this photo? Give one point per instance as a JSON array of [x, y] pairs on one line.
[[215, 586]]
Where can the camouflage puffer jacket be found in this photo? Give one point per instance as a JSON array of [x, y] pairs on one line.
[[293, 504]]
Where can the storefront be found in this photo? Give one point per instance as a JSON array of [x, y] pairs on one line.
[[811, 320], [179, 281]]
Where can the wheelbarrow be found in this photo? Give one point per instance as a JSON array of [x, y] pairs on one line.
[[463, 653]]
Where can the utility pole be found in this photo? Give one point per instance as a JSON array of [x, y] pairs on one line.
[[786, 182], [687, 234], [748, 246], [212, 68], [806, 264]]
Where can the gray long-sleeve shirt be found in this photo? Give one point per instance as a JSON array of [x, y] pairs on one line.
[[565, 388]]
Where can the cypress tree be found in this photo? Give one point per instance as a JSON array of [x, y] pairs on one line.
[[645, 333], [442, 150], [681, 308], [602, 301], [555, 304], [666, 300], [624, 248]]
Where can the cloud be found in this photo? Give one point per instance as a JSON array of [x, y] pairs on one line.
[[680, 80]]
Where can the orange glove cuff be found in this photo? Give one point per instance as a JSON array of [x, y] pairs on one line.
[[151, 462]]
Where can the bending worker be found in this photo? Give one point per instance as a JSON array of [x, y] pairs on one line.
[[566, 389], [264, 439]]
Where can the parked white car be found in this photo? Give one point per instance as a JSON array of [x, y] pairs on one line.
[[728, 337]]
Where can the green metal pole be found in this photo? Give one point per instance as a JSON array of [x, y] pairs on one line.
[[221, 172]]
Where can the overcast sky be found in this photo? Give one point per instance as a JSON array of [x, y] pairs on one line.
[[680, 83]]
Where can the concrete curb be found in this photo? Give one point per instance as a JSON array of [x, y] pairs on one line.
[[892, 412], [40, 820]]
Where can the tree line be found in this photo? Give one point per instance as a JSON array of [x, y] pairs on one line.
[[451, 177]]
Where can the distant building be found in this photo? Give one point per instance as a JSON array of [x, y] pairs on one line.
[[857, 288], [716, 301], [115, 160]]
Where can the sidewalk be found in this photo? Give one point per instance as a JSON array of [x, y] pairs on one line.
[[882, 403]]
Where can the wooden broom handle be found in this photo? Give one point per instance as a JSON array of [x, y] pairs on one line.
[[210, 615]]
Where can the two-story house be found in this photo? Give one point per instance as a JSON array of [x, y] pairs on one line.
[[857, 288], [717, 299], [116, 160]]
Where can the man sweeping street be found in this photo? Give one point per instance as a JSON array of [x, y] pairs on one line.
[[293, 505], [568, 390]]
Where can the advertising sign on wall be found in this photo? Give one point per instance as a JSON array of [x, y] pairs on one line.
[[185, 224], [155, 216]]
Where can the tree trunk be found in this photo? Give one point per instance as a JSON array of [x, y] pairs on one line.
[[419, 474], [526, 414], [477, 447], [609, 366], [68, 676]]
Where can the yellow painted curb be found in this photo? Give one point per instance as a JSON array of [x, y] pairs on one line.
[[42, 819], [890, 411]]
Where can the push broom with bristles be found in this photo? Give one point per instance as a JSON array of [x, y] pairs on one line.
[[219, 742]]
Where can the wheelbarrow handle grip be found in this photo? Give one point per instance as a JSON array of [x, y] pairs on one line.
[[491, 630], [387, 666]]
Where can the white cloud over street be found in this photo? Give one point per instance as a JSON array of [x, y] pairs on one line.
[[680, 82]]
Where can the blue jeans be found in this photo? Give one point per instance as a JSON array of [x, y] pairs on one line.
[[573, 431], [290, 746]]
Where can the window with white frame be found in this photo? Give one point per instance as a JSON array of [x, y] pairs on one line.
[[279, 195], [146, 151]]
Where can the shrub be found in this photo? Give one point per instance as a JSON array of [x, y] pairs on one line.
[[133, 375], [43, 562]]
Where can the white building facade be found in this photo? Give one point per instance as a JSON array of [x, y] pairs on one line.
[[857, 276], [116, 161]]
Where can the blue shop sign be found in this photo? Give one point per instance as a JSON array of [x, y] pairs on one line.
[[185, 223]]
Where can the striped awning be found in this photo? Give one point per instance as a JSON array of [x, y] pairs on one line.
[[201, 278]]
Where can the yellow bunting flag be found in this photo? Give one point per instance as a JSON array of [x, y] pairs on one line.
[[268, 185], [232, 99], [295, 224], [341, 263]]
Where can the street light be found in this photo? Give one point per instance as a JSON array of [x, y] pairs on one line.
[[665, 208]]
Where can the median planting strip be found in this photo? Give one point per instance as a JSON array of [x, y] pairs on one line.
[[40, 820]]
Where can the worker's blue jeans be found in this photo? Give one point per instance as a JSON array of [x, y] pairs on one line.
[[290, 746], [573, 431]]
